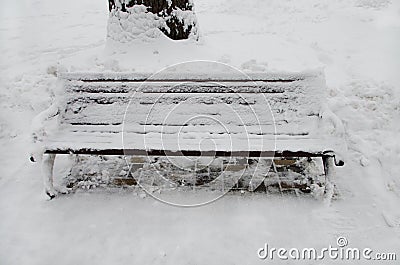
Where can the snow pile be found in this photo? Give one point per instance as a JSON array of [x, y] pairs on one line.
[[169, 174], [374, 105], [93, 172], [136, 23]]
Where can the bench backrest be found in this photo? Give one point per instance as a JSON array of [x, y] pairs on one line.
[[282, 104]]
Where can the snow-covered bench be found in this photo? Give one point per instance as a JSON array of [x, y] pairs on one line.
[[262, 115]]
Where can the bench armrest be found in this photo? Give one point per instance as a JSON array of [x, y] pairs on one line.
[[38, 129], [328, 116], [339, 131]]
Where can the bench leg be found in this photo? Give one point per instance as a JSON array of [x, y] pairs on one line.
[[47, 171], [329, 167]]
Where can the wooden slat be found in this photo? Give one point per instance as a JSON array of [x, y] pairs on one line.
[[183, 87], [192, 76], [191, 153], [110, 109], [230, 129], [188, 141]]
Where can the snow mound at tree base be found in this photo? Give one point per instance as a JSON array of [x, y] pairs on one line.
[[137, 23]]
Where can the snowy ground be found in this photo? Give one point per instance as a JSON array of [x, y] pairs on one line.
[[356, 41]]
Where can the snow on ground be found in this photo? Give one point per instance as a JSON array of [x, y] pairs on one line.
[[355, 41]]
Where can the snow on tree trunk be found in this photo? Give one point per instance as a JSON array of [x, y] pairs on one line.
[[142, 19]]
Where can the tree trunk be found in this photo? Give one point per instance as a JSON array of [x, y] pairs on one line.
[[178, 15]]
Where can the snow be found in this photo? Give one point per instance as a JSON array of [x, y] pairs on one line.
[[355, 42], [137, 23]]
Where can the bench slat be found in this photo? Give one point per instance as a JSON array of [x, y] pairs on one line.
[[104, 141], [190, 153], [184, 87], [279, 128], [190, 76], [110, 108]]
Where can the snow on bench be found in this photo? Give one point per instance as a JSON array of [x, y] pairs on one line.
[[178, 114]]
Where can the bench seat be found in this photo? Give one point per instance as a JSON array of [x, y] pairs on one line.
[[89, 143]]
